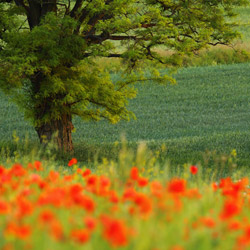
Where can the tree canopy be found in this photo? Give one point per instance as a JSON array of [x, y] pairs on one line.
[[48, 50]]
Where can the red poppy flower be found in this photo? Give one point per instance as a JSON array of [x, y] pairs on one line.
[[92, 180], [234, 225], [90, 223], [38, 165], [177, 186], [19, 231], [230, 209], [72, 162], [144, 203], [156, 188], [46, 216], [56, 230], [17, 170], [193, 170], [24, 207], [80, 235], [4, 207], [208, 222], [85, 202], [114, 231], [142, 181], [104, 181], [53, 176], [134, 173], [86, 172], [113, 197], [2, 170]]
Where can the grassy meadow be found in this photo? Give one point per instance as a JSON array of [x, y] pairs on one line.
[[207, 110]]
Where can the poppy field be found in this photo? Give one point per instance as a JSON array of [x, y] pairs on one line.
[[42, 207]]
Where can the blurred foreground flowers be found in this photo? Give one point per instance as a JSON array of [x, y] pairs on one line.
[[49, 210]]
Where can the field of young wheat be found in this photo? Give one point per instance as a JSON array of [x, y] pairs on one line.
[[208, 109]]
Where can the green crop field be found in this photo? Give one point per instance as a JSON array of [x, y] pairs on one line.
[[209, 109]]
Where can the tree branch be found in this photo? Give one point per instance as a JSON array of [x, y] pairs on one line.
[[97, 39], [21, 3], [76, 7], [109, 55]]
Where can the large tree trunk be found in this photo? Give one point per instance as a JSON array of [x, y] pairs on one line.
[[59, 132]]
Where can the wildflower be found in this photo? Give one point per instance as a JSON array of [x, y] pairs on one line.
[[114, 231], [244, 240], [234, 225], [38, 165], [230, 209], [225, 183], [90, 223], [19, 231], [68, 178], [215, 186], [142, 181], [34, 178], [129, 194], [104, 182], [4, 207], [208, 222], [24, 206], [86, 172], [177, 186], [113, 197], [54, 196], [72, 162], [47, 216], [80, 235], [56, 230], [193, 193], [193, 170], [17, 170], [79, 171], [144, 203], [134, 173], [42, 184], [85, 202], [156, 188], [75, 189], [92, 180], [53, 176], [2, 170]]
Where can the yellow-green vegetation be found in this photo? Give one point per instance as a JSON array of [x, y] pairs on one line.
[[122, 204]]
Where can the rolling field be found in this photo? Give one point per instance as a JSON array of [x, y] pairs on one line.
[[209, 109]]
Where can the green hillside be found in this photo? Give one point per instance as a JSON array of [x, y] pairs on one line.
[[209, 108]]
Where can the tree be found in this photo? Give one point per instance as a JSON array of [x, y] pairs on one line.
[[48, 50]]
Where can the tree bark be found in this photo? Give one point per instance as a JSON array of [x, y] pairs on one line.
[[58, 132], [34, 13]]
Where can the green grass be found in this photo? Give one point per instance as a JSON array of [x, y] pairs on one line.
[[209, 109]]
